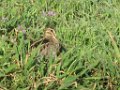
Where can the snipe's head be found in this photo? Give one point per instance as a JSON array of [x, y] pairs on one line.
[[50, 35]]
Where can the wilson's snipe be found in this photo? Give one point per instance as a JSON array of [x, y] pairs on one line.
[[51, 45]]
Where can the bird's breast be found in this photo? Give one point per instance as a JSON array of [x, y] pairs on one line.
[[49, 50]]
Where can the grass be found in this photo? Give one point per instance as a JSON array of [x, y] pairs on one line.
[[89, 29]]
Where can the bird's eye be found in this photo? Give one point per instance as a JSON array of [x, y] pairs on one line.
[[51, 30]]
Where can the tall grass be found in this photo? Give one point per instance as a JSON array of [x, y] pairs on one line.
[[89, 29]]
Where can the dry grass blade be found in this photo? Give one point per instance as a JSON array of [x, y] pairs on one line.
[[114, 44]]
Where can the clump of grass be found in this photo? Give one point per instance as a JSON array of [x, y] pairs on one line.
[[88, 29]]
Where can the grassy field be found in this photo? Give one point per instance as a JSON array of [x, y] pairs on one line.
[[89, 30]]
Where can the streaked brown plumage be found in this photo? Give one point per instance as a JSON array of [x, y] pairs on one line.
[[51, 46]]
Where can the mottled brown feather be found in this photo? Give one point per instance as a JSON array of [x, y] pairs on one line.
[[51, 46]]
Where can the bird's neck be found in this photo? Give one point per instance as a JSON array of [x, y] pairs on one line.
[[53, 40]]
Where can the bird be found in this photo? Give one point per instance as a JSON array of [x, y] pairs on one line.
[[51, 49], [51, 46]]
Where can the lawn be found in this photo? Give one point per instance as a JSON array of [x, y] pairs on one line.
[[88, 29]]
